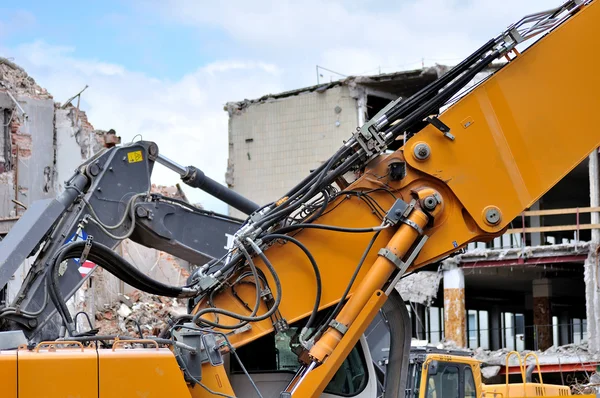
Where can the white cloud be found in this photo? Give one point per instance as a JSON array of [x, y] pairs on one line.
[[286, 40], [184, 117], [352, 37], [225, 66]]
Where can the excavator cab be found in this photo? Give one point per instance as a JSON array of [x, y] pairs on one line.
[[272, 361], [437, 373]]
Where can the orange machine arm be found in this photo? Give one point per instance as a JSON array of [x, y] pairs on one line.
[[515, 136]]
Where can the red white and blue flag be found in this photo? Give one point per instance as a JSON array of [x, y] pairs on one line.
[[87, 266]]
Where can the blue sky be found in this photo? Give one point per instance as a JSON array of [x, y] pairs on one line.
[[114, 31], [165, 68]]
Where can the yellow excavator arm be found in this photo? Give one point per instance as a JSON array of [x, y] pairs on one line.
[[493, 153], [329, 253]]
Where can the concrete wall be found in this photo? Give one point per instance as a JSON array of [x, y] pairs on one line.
[[30, 158], [273, 145]]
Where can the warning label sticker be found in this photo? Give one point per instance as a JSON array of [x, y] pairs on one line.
[[135, 156]]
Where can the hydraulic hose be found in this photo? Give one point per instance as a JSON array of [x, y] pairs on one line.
[[113, 263], [329, 228], [319, 283], [415, 100], [340, 303], [240, 317]]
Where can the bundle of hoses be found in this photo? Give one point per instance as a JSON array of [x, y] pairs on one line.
[[104, 257]]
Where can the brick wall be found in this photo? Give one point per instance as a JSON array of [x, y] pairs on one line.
[[273, 145]]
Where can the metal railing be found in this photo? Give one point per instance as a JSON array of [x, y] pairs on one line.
[[577, 227], [518, 237]]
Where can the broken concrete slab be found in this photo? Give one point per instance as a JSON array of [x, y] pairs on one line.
[[420, 287]]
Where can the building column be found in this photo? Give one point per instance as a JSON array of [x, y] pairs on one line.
[[542, 314], [592, 296], [455, 326], [564, 328], [495, 317]]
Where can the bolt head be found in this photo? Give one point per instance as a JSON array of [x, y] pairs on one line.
[[153, 149], [94, 169], [422, 151], [141, 212], [430, 202], [492, 215]]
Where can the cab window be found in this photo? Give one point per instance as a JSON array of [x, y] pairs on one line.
[[444, 383], [450, 380]]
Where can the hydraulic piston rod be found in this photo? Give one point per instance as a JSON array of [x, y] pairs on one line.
[[195, 178]]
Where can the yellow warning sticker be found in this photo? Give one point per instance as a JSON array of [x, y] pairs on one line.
[[134, 157]]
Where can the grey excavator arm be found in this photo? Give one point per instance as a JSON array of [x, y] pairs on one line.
[[108, 199]]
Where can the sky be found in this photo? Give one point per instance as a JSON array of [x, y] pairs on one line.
[[164, 69]]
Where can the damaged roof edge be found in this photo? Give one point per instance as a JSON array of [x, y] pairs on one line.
[[239, 105], [436, 70], [17, 81]]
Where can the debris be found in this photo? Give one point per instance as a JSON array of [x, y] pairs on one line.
[[15, 79], [125, 300], [124, 311], [490, 371], [420, 287], [148, 311]]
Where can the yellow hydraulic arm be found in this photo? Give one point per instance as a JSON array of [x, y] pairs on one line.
[[514, 137], [459, 177]]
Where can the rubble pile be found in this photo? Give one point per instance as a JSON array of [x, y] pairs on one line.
[[148, 311], [173, 191], [15, 79], [577, 353]]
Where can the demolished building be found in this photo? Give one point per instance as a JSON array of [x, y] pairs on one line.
[[42, 143]]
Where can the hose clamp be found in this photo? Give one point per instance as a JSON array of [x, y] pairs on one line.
[[387, 254], [340, 327], [86, 249], [413, 225]]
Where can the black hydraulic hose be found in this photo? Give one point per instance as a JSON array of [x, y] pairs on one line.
[[231, 314], [441, 98], [288, 207], [315, 267], [329, 228], [235, 259], [60, 304], [349, 286], [119, 267], [254, 273], [107, 259], [314, 174], [415, 100], [312, 217]]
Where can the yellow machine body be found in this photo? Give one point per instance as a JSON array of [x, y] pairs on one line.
[[524, 390]]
